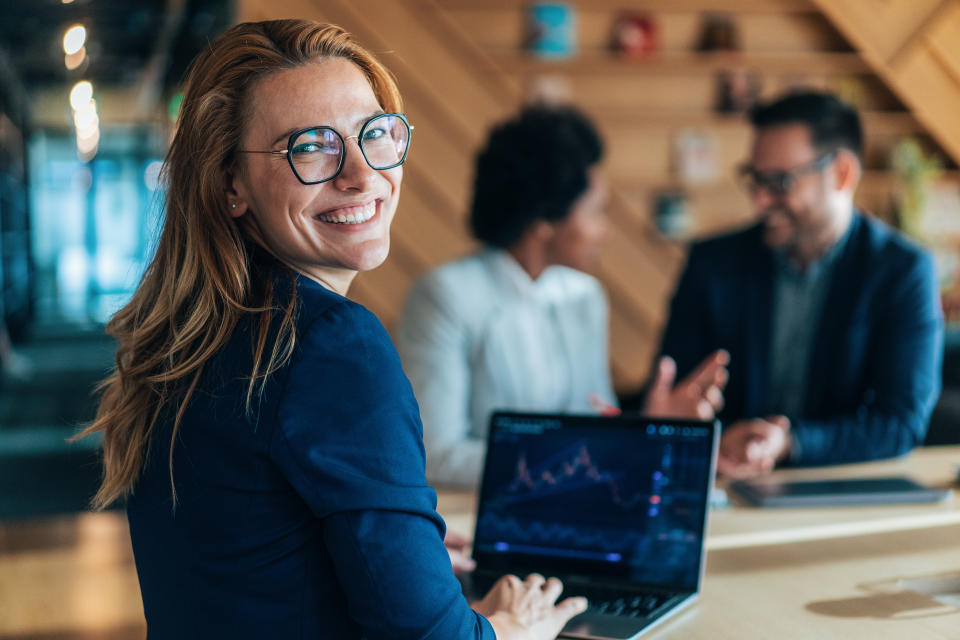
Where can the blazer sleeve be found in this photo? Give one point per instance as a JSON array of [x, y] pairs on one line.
[[348, 439], [433, 340], [906, 356]]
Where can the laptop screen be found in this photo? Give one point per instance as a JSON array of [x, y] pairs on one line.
[[619, 497]]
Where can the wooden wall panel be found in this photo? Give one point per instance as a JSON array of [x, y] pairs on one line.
[[912, 46], [944, 39], [885, 23]]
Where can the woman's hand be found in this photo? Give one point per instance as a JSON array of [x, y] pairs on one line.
[[526, 609], [699, 396]]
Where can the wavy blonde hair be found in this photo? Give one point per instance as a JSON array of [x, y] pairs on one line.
[[204, 276]]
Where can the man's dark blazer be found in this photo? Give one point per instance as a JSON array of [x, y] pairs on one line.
[[874, 373]]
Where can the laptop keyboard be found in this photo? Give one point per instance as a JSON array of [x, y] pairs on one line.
[[601, 599], [612, 601]]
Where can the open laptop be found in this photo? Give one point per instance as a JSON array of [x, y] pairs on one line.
[[616, 507]]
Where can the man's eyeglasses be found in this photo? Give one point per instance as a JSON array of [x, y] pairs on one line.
[[316, 154], [780, 183]]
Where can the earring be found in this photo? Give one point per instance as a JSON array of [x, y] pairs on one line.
[[233, 205]]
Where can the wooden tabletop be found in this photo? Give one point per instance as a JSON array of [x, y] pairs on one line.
[[846, 588], [810, 573]]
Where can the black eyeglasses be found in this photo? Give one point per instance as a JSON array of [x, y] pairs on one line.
[[316, 154], [780, 183]]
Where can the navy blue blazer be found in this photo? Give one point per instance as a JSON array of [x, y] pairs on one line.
[[875, 365], [307, 517]]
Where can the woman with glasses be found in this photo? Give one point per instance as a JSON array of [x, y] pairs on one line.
[[258, 423]]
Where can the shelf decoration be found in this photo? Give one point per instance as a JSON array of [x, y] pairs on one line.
[[694, 157], [635, 36], [671, 213], [552, 30], [718, 33]]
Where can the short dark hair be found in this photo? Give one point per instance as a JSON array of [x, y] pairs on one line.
[[533, 167], [833, 123]]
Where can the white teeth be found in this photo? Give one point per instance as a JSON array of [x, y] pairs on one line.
[[357, 217]]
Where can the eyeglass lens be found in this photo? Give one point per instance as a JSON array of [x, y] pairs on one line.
[[780, 183], [776, 183], [317, 154]]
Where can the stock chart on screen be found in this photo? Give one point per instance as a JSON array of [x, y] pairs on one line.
[[634, 497]]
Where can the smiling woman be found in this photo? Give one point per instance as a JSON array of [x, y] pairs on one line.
[[302, 223], [258, 422]]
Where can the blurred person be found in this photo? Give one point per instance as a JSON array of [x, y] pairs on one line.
[[520, 325], [831, 318], [258, 422]]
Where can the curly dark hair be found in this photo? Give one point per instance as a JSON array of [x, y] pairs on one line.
[[533, 168]]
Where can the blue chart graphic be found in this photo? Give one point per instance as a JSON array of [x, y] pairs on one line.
[[638, 503], [569, 470]]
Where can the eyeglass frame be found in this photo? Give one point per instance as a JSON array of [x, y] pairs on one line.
[[816, 165], [343, 142]]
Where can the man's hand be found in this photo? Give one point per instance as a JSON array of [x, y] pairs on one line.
[[753, 447], [699, 396], [456, 546]]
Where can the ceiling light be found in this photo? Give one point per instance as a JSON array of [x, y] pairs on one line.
[[74, 39], [81, 95]]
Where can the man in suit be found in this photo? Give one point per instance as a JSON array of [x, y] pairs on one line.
[[831, 318]]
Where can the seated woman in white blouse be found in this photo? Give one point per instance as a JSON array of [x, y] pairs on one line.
[[519, 325]]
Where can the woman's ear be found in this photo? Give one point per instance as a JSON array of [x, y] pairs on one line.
[[542, 230], [233, 190]]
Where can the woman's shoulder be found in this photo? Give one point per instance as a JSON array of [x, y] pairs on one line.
[[575, 281], [468, 270], [323, 310], [461, 285]]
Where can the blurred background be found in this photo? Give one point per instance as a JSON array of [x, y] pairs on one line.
[[89, 94]]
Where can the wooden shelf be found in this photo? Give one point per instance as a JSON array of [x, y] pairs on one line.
[[673, 6], [874, 122], [603, 62], [872, 178]]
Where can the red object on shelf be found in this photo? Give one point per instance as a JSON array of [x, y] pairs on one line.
[[636, 35]]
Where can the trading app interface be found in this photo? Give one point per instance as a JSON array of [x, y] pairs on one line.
[[631, 498]]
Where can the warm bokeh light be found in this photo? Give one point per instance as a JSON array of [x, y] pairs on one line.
[[81, 95], [73, 60], [86, 121], [74, 39], [88, 144]]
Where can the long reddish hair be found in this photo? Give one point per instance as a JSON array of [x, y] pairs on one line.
[[204, 278]]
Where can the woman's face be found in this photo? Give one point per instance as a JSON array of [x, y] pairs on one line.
[[299, 223], [577, 240]]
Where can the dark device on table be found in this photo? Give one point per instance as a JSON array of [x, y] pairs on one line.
[[769, 492], [616, 507]]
